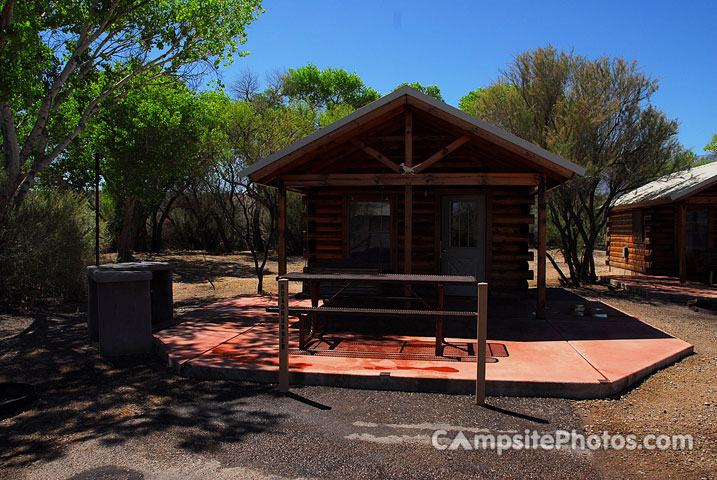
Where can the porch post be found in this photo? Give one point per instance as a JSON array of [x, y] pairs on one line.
[[408, 230], [682, 239], [282, 229], [542, 248], [481, 344]]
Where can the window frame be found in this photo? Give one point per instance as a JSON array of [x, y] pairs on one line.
[[346, 222]]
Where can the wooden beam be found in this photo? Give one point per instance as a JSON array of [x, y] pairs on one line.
[[542, 249], [375, 154], [408, 230], [282, 229], [408, 139], [408, 198], [442, 153], [682, 240], [317, 143], [492, 138], [489, 239], [430, 179]]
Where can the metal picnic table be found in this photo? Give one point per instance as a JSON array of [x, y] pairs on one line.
[[439, 313]]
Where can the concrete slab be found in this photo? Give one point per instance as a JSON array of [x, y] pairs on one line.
[[583, 350], [667, 288]]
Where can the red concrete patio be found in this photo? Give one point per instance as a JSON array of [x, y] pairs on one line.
[[581, 350], [666, 288]]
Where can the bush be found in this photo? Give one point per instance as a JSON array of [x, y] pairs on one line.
[[44, 248]]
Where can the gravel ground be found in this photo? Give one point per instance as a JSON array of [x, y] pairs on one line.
[[681, 399], [97, 419]]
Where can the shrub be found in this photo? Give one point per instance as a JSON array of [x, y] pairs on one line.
[[44, 248]]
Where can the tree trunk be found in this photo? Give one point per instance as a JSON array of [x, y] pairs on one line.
[[158, 224], [256, 227], [131, 226]]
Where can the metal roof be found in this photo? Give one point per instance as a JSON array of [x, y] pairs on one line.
[[432, 102], [672, 187]]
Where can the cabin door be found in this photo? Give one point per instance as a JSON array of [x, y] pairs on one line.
[[463, 228]]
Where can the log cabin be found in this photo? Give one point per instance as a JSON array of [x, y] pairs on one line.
[[665, 227], [409, 184]]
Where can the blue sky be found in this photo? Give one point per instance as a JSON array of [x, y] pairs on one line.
[[461, 46]]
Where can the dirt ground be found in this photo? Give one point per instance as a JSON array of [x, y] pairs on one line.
[[86, 399]]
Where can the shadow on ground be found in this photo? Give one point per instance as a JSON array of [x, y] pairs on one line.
[[83, 397]]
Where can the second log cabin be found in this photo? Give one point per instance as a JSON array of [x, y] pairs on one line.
[[666, 227]]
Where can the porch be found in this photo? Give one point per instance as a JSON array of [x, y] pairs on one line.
[[580, 349]]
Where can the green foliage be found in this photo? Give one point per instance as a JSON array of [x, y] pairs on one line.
[[712, 146], [431, 90], [44, 248], [596, 113], [150, 140], [63, 62], [325, 89]]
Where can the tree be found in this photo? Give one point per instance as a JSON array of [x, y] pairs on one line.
[[252, 130], [712, 146], [431, 90], [328, 88], [596, 113], [80, 57]]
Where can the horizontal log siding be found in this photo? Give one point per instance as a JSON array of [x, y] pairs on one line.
[[424, 235], [651, 253], [509, 238], [323, 231], [508, 270]]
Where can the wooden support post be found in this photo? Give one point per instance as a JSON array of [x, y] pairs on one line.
[[542, 249], [481, 347], [682, 240], [408, 197], [283, 335], [408, 230], [282, 229]]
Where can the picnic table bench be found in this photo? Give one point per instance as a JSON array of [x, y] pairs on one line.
[[403, 279]]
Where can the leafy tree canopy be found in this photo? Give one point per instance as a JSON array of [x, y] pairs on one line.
[[431, 90], [712, 146], [79, 57], [325, 89], [596, 113]]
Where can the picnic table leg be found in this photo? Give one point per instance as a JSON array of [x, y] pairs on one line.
[[439, 324], [302, 332], [314, 289]]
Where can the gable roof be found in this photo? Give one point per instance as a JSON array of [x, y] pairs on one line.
[[416, 98], [673, 187]]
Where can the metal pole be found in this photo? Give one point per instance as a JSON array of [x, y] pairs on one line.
[[481, 348], [97, 209], [283, 335]]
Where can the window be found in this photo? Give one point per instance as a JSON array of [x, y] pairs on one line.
[[370, 232], [697, 231], [637, 226], [464, 224]]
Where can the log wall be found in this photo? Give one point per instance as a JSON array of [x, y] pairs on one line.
[[508, 219]]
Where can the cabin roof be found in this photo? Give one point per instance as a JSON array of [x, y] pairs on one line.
[[264, 170], [671, 188]]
